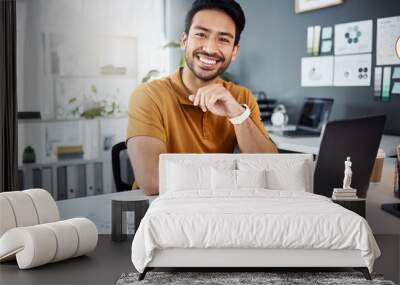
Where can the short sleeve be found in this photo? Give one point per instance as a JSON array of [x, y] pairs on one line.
[[144, 115], [255, 112]]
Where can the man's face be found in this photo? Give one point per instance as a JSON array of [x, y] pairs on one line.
[[209, 46]]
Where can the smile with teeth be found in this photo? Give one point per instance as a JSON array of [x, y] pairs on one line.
[[207, 61]]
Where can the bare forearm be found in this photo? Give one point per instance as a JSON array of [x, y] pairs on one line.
[[252, 140], [143, 153]]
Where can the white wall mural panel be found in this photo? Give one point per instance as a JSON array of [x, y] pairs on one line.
[[388, 31], [354, 37], [352, 70], [317, 71]]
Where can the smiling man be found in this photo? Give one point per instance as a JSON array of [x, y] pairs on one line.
[[194, 110]]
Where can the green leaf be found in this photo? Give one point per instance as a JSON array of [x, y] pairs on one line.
[[72, 100], [172, 45], [93, 88]]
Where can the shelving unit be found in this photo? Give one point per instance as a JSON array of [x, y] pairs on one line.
[[64, 179]]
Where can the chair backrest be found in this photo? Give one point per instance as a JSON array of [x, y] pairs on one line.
[[231, 161], [357, 138], [121, 167], [26, 208]]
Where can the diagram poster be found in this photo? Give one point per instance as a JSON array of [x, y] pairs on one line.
[[352, 70], [354, 37], [317, 71], [388, 31]]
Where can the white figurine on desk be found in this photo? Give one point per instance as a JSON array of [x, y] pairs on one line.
[[347, 192], [347, 174]]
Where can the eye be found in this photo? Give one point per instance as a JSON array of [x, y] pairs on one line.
[[201, 35], [225, 40]]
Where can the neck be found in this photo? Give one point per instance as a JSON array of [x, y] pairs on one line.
[[191, 82]]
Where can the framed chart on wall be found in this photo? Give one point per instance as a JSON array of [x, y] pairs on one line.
[[308, 5]]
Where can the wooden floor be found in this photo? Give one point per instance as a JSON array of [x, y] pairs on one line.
[[110, 259], [103, 266]]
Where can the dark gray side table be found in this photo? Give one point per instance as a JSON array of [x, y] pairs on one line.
[[356, 205], [118, 208]]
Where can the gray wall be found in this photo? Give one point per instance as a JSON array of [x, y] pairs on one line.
[[274, 41]]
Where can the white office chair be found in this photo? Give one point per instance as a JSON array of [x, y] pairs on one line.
[[30, 230]]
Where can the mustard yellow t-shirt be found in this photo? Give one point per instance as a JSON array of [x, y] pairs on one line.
[[162, 109]]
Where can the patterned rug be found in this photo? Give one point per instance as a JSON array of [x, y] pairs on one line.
[[269, 278]]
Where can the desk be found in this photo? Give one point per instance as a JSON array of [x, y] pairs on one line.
[[97, 208], [380, 193], [311, 144]]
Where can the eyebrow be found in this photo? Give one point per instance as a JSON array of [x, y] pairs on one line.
[[208, 30]]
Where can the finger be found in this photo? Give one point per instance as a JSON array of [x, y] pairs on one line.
[[208, 93], [202, 102], [191, 97], [214, 98], [196, 100]]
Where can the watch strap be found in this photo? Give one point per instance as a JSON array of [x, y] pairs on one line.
[[242, 117]]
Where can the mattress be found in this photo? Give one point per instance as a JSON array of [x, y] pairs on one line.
[[251, 219]]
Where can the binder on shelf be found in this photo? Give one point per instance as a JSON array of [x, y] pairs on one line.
[[98, 178], [90, 179], [47, 180], [62, 183], [72, 181], [36, 178], [81, 179]]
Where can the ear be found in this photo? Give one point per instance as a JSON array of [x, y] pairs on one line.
[[184, 38], [235, 51]]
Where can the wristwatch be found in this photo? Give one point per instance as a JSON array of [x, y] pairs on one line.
[[241, 118]]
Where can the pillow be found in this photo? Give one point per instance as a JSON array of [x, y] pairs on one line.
[[236, 179], [292, 179], [281, 174], [223, 179], [181, 177], [251, 178]]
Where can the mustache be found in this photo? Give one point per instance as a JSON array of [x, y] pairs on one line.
[[213, 55]]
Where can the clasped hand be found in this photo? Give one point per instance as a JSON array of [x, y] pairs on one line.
[[218, 100]]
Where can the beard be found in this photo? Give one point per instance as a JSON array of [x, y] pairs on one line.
[[203, 74]]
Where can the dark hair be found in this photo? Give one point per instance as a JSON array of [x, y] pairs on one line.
[[230, 7]]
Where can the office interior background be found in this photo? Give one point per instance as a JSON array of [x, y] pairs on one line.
[[78, 62]]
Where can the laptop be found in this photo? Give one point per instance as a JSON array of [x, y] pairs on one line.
[[314, 116], [358, 138]]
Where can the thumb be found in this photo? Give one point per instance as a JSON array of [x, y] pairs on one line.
[[191, 97]]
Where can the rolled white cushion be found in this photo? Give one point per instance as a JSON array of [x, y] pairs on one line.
[[67, 240], [45, 205], [7, 218], [33, 246], [87, 235], [23, 208], [37, 245]]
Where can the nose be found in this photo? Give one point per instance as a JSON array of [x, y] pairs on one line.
[[210, 46]]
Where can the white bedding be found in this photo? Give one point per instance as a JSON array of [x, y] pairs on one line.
[[251, 218]]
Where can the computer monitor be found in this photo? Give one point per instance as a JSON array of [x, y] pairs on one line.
[[315, 113], [357, 138]]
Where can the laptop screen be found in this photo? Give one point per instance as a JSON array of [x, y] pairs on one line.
[[315, 113]]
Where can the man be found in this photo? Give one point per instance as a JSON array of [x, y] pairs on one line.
[[193, 110]]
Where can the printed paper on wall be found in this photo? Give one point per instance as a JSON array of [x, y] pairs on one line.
[[354, 37], [317, 71], [352, 70]]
